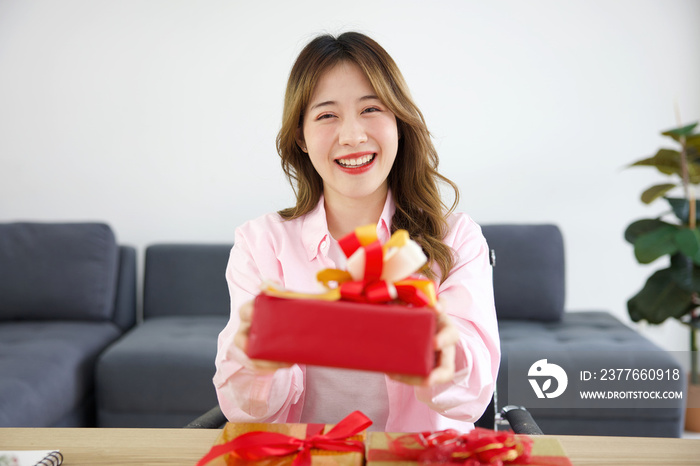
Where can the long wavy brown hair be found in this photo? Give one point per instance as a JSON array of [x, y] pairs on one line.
[[414, 177]]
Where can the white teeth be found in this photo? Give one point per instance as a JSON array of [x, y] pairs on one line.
[[355, 162]]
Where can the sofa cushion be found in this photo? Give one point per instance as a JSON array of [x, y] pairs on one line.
[[57, 271], [186, 279], [528, 277], [47, 369], [160, 373]]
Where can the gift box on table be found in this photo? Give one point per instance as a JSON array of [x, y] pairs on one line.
[[377, 318], [478, 447], [375, 337], [257, 444]]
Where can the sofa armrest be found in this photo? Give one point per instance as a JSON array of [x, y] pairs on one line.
[[125, 300], [57, 271]]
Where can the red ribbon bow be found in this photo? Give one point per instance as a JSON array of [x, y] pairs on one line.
[[371, 288], [377, 274], [260, 445], [476, 448]]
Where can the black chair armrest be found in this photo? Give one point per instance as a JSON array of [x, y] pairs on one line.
[[521, 420], [212, 419]]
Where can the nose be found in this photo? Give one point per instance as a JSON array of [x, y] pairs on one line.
[[352, 132]]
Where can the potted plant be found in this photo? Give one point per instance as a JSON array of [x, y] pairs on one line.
[[675, 290]]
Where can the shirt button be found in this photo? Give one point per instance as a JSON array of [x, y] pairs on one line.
[[324, 243]]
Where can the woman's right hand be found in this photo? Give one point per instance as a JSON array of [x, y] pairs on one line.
[[240, 339]]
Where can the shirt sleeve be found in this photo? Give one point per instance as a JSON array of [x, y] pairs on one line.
[[246, 395], [469, 301]]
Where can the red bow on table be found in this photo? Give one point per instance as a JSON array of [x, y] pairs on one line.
[[260, 445], [479, 447]]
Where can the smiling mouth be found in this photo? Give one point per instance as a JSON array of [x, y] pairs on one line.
[[357, 162]]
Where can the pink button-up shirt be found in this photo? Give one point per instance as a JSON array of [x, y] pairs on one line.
[[291, 253]]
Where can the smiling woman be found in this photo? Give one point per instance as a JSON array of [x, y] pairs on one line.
[[357, 152]]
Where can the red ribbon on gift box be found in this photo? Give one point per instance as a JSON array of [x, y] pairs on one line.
[[372, 288], [479, 447], [383, 278], [259, 445]]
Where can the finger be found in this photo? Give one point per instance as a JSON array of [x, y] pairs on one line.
[[439, 376], [246, 311], [409, 379], [240, 339], [269, 366], [447, 333], [448, 336], [445, 370], [440, 306]]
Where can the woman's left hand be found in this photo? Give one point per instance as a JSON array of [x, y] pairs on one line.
[[446, 338]]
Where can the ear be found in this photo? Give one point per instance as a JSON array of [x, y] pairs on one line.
[[299, 136]]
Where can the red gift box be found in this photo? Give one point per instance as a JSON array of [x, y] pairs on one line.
[[388, 338]]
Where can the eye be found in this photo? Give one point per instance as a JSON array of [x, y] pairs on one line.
[[372, 110], [324, 116]]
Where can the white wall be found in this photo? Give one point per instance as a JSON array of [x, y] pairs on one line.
[[159, 116]]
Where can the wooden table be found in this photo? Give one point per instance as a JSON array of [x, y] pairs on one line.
[[151, 447]]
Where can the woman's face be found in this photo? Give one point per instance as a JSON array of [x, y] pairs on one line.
[[350, 135]]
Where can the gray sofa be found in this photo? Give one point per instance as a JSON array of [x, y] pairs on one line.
[[67, 290], [159, 374]]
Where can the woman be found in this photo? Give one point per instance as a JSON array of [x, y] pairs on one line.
[[357, 151]]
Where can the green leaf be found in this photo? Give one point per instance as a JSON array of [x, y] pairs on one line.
[[650, 246], [681, 208], [660, 299], [656, 192], [667, 161], [676, 133], [688, 242], [685, 273], [693, 168], [692, 141], [640, 227]]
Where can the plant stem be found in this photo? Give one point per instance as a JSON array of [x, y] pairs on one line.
[[686, 185], [692, 215], [694, 376], [687, 191]]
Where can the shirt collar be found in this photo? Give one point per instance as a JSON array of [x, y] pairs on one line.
[[314, 229], [384, 225]]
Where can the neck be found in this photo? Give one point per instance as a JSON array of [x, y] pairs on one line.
[[344, 214]]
